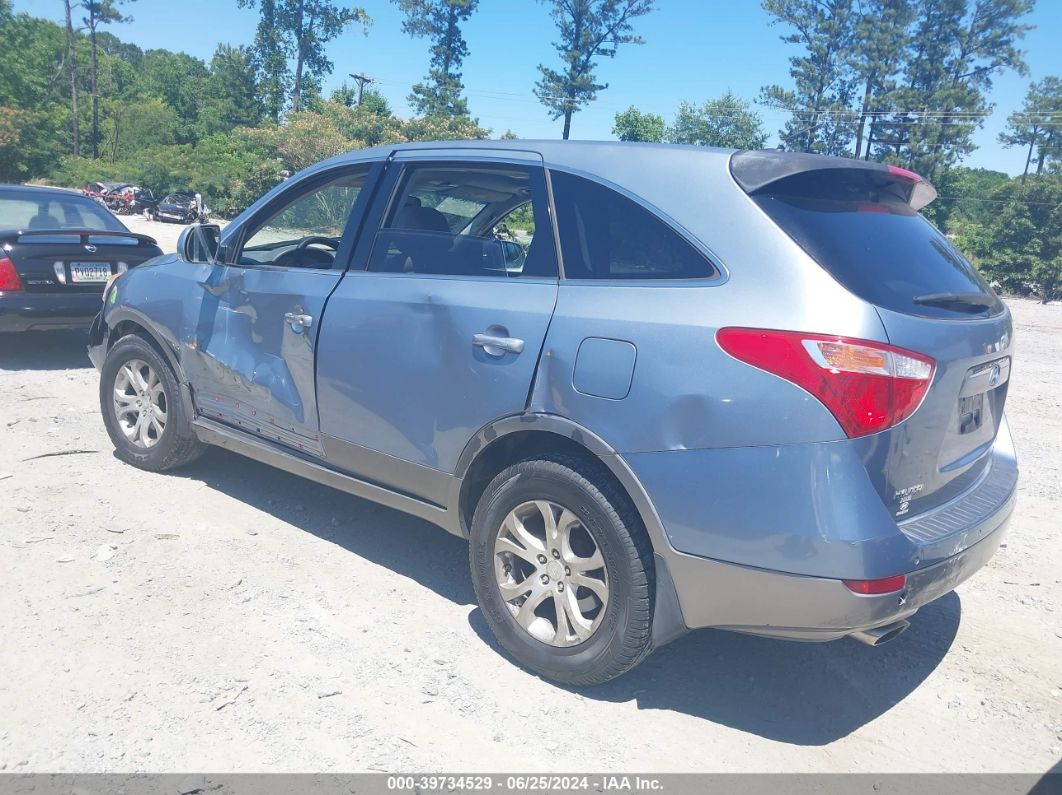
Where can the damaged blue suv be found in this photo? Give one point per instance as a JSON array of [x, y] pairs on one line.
[[656, 387]]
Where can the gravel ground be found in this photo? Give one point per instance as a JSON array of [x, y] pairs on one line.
[[231, 617]]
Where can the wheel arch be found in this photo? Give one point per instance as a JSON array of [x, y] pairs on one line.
[[510, 439], [122, 322]]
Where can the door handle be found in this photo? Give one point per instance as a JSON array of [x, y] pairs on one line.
[[296, 319], [496, 345]]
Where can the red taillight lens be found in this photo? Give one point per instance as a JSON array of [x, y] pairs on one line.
[[9, 281], [867, 386], [876, 587]]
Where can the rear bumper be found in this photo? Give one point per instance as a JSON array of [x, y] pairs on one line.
[[715, 594], [785, 579], [27, 311]]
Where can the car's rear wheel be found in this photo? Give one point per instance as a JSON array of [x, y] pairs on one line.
[[142, 408], [563, 571]]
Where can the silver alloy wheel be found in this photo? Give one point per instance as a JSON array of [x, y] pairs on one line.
[[140, 403], [551, 573]]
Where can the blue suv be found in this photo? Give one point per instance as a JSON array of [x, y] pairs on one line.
[[656, 387]]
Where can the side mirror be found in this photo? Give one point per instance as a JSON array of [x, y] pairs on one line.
[[512, 252], [200, 243]]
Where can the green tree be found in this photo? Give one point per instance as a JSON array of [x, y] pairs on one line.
[[962, 204], [99, 12], [440, 21], [298, 30], [728, 122], [1021, 246], [72, 72], [312, 24], [955, 49], [633, 125], [589, 29], [1038, 125], [880, 39], [271, 52], [179, 80], [823, 83], [230, 98]]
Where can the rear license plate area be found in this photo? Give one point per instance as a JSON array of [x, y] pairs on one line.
[[89, 272], [971, 412]]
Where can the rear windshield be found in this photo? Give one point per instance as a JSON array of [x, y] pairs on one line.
[[886, 253], [26, 211]]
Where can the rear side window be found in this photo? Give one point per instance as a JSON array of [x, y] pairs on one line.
[[605, 235], [886, 253], [467, 220]]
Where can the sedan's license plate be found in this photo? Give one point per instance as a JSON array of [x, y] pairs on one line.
[[89, 272]]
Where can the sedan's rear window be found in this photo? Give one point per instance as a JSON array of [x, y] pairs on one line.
[[45, 211], [886, 253]]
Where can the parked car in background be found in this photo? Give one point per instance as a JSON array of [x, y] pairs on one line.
[[179, 207], [95, 191], [57, 250], [133, 200], [657, 387]]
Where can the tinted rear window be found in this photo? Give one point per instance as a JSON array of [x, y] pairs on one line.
[[25, 210], [884, 252]]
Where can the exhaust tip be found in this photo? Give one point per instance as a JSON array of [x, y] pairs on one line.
[[881, 635]]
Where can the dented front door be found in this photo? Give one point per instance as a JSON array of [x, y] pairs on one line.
[[261, 313], [257, 339]]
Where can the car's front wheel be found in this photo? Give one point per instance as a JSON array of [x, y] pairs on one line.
[[563, 570], [142, 409]]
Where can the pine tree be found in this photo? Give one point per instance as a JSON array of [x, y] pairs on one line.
[[589, 29], [440, 21], [1038, 125], [823, 84]]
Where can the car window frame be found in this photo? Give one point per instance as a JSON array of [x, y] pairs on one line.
[[722, 273], [394, 180], [352, 228]]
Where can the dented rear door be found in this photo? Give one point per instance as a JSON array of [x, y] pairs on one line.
[[432, 335]]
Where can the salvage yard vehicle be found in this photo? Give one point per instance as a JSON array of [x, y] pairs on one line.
[[58, 248], [179, 207], [658, 388]]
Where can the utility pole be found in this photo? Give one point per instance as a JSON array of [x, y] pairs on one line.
[[361, 80]]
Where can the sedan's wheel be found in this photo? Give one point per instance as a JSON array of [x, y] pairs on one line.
[[140, 403], [142, 409], [563, 570]]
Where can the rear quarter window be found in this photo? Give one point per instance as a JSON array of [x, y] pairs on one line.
[[883, 251], [605, 235]]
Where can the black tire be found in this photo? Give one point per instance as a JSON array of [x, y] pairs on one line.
[[623, 638], [177, 445]]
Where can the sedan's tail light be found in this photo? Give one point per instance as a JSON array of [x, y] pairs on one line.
[[867, 386], [9, 281]]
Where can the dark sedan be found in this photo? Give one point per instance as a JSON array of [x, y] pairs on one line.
[[57, 250], [180, 207]]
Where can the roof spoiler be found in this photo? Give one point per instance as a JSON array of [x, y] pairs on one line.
[[83, 234], [770, 171]]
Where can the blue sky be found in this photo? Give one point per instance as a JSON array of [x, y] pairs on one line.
[[694, 50]]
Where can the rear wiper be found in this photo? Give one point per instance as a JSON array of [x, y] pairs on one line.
[[962, 301]]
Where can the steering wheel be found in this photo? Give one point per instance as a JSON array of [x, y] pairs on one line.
[[320, 240]]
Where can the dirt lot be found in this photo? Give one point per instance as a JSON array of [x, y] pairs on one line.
[[165, 234], [236, 618]]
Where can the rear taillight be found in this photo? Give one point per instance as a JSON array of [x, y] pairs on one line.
[[9, 281], [867, 386]]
